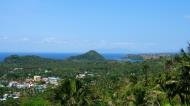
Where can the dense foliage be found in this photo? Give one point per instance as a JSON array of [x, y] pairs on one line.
[[156, 82]]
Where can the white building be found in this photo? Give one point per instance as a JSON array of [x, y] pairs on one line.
[[15, 95], [20, 86], [45, 80], [30, 85], [12, 84], [80, 75], [37, 78], [53, 80]]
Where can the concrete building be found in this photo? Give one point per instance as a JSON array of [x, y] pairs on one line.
[[80, 76], [53, 80], [12, 84], [37, 78]]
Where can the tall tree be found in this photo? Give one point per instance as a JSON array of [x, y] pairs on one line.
[[73, 92], [145, 70]]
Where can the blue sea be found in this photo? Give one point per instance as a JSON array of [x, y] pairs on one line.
[[61, 56]]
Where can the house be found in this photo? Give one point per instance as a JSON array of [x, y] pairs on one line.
[[39, 88], [46, 71], [30, 85], [15, 69], [45, 80], [3, 99], [14, 95], [37, 78], [91, 75], [29, 80], [80, 76], [53, 80], [5, 96], [20, 86], [12, 84]]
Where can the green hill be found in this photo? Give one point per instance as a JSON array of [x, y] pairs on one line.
[[26, 60], [90, 56]]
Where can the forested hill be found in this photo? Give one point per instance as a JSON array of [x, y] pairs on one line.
[[90, 56], [15, 59], [36, 60], [32, 60]]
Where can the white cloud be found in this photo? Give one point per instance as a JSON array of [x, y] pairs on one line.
[[52, 40]]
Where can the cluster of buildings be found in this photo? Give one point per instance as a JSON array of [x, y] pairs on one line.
[[14, 95], [83, 75], [37, 82]]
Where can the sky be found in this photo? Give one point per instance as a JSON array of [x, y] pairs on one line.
[[108, 26]]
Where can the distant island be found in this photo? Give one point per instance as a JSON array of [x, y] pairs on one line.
[[91, 55], [147, 56]]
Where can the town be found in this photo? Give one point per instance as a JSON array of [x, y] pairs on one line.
[[35, 85]]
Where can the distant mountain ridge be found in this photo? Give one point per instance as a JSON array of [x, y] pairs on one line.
[[91, 55], [147, 56], [15, 59]]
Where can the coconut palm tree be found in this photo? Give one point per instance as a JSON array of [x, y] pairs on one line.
[[177, 82], [145, 70], [72, 92]]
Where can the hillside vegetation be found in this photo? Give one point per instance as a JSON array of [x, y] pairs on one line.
[[90, 56], [163, 81]]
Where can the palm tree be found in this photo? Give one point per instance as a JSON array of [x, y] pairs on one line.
[[184, 90], [177, 82], [72, 92], [184, 77], [145, 70], [168, 65]]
